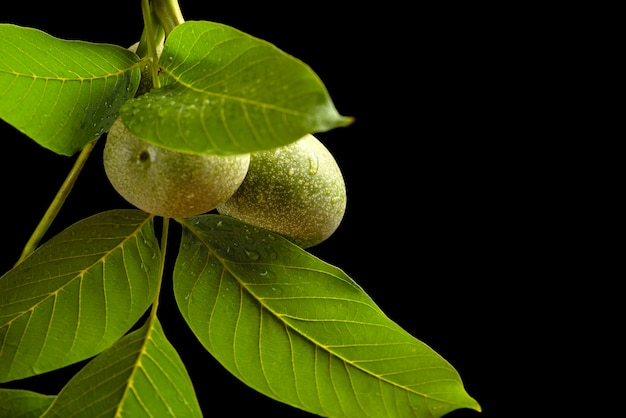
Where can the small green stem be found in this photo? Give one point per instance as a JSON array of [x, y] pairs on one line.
[[150, 38], [57, 203], [164, 235], [169, 14], [159, 36]]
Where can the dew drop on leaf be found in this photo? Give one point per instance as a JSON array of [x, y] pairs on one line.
[[273, 254], [223, 226], [252, 255], [163, 112]]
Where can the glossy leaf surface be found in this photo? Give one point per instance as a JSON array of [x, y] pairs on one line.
[[62, 94], [301, 331], [225, 92], [78, 293], [18, 403], [140, 375]]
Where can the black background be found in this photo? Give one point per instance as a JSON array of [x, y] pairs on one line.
[[430, 227]]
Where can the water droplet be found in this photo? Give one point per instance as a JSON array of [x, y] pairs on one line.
[[145, 267], [272, 254], [314, 164], [223, 226], [252, 255], [249, 239], [291, 172]]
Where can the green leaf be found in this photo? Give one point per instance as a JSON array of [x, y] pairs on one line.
[[18, 403], [226, 92], [78, 293], [62, 94], [140, 375], [301, 331]]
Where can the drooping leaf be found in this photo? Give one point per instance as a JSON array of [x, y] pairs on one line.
[[301, 331], [62, 93], [77, 293], [140, 375], [224, 92], [18, 403]]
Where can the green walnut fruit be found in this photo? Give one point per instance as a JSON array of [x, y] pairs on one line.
[[168, 183], [297, 191]]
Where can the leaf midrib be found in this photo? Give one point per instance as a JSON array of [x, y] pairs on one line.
[[94, 77], [239, 99], [79, 274], [289, 325]]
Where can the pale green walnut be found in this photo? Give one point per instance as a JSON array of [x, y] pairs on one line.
[[168, 183], [297, 191]]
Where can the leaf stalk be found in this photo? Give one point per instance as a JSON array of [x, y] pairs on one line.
[[164, 238], [150, 31], [168, 13], [57, 202]]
